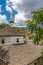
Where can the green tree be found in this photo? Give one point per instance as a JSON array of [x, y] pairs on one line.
[[38, 20], [30, 25], [2, 26], [38, 16], [36, 25]]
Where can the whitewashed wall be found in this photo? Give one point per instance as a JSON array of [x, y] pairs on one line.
[[12, 40]]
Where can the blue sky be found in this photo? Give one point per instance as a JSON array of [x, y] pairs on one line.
[[4, 11], [21, 9]]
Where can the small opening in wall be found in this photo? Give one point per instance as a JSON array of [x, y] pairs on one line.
[[2, 41], [42, 59], [35, 63], [17, 39]]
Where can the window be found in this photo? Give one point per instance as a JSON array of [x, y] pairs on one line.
[[17, 39], [35, 63], [42, 59], [2, 41]]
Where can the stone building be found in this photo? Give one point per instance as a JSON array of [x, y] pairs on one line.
[[3, 62], [25, 54], [10, 35], [4, 56], [18, 52]]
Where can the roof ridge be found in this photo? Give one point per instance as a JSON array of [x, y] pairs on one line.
[[9, 31]]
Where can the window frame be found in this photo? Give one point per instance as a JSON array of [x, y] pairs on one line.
[[3, 41], [17, 40]]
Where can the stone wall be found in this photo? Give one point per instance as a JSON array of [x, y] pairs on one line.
[[12, 40]]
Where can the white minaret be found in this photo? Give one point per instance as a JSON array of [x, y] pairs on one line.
[[11, 19]]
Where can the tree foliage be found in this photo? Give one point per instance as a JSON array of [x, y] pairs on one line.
[[36, 25], [30, 25], [2, 26], [38, 16]]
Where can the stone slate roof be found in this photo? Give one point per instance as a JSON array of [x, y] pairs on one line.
[[23, 54], [10, 31], [4, 53]]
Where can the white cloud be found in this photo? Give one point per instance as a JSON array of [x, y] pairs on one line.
[[24, 8], [8, 8], [16, 1], [20, 19], [20, 16], [7, 2], [3, 19]]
